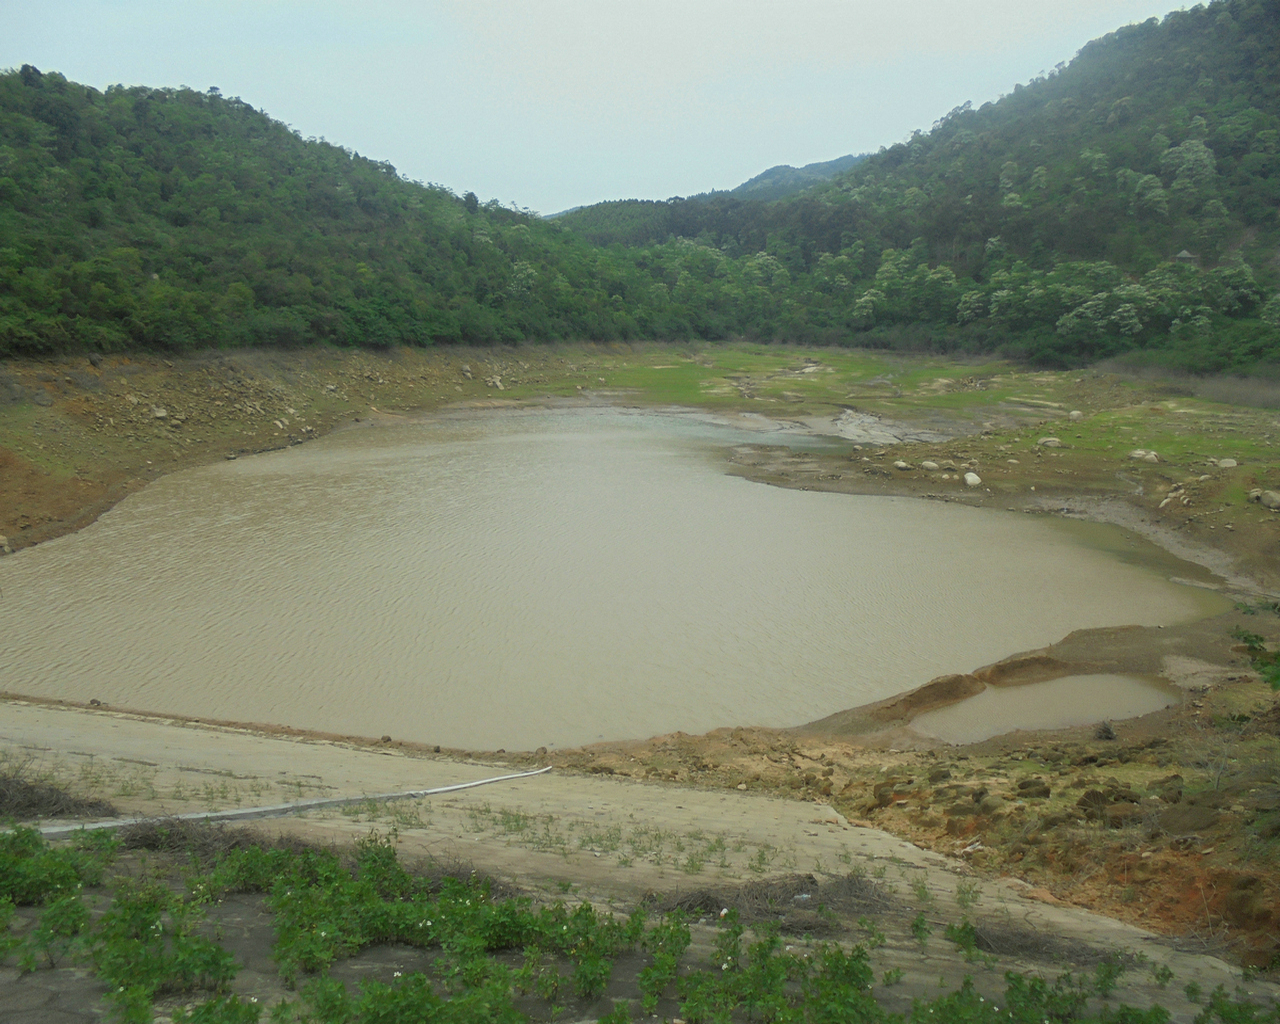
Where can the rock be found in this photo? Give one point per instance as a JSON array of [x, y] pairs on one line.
[[386, 738], [972, 480], [1093, 802], [741, 785], [95, 360], [990, 805], [1183, 819], [1227, 463], [159, 412], [1049, 442], [1270, 499], [901, 465], [1120, 815], [1075, 416], [1247, 903], [1139, 454], [932, 467], [4, 546], [1255, 494]]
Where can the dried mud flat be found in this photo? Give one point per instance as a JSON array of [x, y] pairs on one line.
[[1172, 823]]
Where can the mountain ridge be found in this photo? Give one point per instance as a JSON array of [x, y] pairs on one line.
[[1044, 226]]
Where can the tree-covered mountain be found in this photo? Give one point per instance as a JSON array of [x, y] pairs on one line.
[[784, 180], [174, 219], [1052, 220], [1048, 224]]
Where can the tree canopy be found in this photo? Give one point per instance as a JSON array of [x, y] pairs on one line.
[[1128, 202]]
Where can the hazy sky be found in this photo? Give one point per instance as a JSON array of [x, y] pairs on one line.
[[559, 103]]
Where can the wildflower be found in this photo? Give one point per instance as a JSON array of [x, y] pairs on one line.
[[395, 974]]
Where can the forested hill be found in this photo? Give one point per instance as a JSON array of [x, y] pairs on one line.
[[1047, 225], [784, 180], [167, 218], [1052, 219]]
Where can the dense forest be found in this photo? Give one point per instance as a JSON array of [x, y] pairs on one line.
[[1127, 203]]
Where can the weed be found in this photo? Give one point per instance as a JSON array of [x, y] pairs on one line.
[[764, 856], [1106, 975], [875, 937], [921, 889], [920, 929], [967, 893]]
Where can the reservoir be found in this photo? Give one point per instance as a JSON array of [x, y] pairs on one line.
[[520, 578]]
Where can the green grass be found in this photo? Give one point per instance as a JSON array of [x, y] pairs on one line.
[[483, 954]]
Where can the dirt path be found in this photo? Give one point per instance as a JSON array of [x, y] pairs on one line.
[[612, 840]]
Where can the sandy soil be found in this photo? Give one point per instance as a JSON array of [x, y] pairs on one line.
[[608, 839]]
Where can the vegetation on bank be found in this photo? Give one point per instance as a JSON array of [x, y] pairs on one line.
[[486, 957], [1047, 226]]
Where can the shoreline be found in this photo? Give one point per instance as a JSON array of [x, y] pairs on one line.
[[1171, 855], [774, 464]]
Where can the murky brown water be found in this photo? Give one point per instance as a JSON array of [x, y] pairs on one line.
[[541, 577], [1053, 704]]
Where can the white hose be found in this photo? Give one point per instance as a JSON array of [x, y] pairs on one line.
[[276, 810]]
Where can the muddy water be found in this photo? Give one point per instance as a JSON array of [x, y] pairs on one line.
[[1053, 704], [548, 577]]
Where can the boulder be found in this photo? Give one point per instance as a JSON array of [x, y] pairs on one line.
[[972, 480], [1183, 819], [1227, 463], [1075, 416], [1270, 499], [901, 465], [1049, 442], [932, 467], [1120, 815]]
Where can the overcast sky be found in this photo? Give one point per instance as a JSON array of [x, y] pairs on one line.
[[557, 103]]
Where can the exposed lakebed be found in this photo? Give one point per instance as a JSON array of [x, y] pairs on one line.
[[521, 578]]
